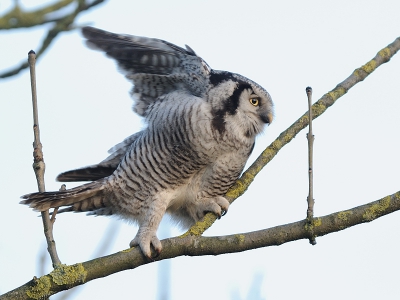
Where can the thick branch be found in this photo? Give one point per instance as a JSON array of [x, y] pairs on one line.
[[286, 136], [65, 277]]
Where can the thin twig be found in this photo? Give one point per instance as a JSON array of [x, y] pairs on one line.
[[38, 163], [310, 138], [54, 213]]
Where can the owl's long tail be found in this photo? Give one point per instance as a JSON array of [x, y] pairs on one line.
[[87, 197]]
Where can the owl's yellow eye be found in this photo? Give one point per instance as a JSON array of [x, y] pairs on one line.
[[254, 101]]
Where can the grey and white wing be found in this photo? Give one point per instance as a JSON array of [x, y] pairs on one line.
[[104, 168], [155, 67]]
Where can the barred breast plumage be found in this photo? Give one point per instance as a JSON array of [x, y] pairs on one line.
[[201, 129]]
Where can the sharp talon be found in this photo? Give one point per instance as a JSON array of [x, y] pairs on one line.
[[156, 251], [224, 212], [150, 258]]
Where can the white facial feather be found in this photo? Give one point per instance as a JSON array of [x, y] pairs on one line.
[[218, 95]]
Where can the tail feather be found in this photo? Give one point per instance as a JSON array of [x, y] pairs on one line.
[[87, 197]]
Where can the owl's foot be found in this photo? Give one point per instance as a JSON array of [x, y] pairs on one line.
[[217, 205], [145, 241]]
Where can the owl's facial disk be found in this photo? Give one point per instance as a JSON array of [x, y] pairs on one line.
[[256, 103], [239, 104]]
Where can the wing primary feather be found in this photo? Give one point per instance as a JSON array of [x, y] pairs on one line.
[[90, 173]]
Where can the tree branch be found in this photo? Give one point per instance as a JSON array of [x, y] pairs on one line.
[[310, 138], [38, 163], [61, 24], [64, 277], [17, 18]]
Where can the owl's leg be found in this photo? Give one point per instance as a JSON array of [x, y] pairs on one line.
[[215, 182], [149, 221]]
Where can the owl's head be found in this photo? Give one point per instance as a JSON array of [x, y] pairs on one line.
[[238, 104]]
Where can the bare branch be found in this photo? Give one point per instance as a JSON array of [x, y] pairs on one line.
[[64, 277], [38, 164], [17, 18], [310, 138], [61, 24]]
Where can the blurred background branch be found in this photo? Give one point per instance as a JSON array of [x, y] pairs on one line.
[[61, 14], [103, 248]]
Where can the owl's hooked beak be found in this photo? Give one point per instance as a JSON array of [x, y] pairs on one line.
[[267, 118]]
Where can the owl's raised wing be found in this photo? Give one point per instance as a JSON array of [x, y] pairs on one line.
[[104, 168], [156, 67]]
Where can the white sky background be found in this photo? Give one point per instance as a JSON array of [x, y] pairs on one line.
[[84, 109]]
